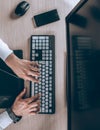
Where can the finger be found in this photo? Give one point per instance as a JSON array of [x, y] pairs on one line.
[[34, 105], [37, 97], [33, 73], [33, 98], [37, 109], [34, 109], [35, 69], [35, 64], [32, 113], [35, 112], [21, 94], [31, 78]]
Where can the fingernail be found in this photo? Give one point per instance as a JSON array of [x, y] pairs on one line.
[[39, 94], [24, 89], [39, 101], [38, 81], [38, 112]]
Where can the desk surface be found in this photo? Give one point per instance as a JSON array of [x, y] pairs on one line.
[[16, 33]]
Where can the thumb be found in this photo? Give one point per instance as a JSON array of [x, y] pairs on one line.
[[21, 94]]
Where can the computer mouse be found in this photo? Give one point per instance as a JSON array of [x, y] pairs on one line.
[[22, 8]]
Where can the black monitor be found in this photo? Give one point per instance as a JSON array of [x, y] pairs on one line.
[[83, 68]]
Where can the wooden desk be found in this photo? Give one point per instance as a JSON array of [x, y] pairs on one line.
[[16, 33]]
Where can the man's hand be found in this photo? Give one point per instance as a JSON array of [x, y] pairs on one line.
[[24, 69], [28, 106]]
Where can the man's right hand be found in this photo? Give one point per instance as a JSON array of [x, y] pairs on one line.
[[28, 106]]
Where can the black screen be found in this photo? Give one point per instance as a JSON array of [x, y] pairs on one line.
[[46, 18], [83, 70]]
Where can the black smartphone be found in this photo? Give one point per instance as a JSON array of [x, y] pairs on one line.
[[46, 18]]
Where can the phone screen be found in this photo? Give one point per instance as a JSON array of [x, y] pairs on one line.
[[46, 18]]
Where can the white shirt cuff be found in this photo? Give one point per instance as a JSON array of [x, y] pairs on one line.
[[5, 120], [5, 51]]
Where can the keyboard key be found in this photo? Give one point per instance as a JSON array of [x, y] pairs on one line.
[[47, 42], [50, 89], [50, 110], [34, 38], [50, 105], [41, 37], [47, 38]]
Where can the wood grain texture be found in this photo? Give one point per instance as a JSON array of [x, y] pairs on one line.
[[16, 33]]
